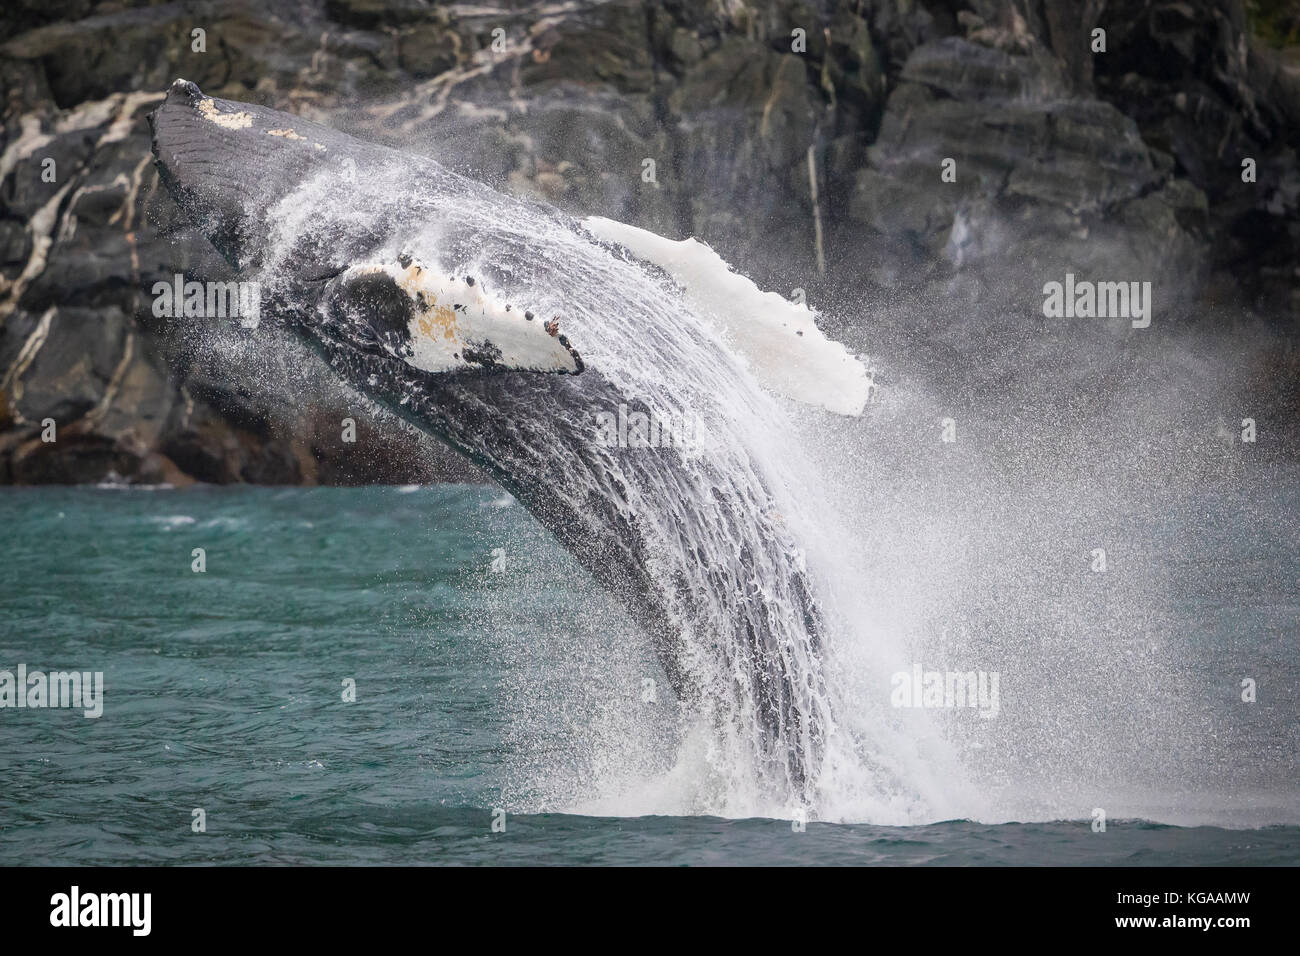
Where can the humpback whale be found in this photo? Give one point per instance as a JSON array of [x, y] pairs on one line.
[[503, 328]]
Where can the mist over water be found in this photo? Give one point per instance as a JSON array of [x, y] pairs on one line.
[[1120, 690]]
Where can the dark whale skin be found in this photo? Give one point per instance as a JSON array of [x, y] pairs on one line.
[[530, 431]]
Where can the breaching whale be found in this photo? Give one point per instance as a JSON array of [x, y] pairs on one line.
[[506, 330]]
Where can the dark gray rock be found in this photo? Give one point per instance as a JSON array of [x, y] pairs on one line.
[[1118, 164]]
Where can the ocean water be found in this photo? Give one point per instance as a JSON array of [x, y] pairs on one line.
[[495, 683]]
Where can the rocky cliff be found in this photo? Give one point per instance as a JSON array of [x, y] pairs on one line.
[[918, 169]]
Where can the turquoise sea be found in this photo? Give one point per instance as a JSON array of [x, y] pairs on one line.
[[465, 630]]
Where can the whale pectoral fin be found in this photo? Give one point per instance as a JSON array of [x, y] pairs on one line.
[[778, 339], [441, 323]]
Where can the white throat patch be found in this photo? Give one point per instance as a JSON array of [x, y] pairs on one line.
[[456, 323]]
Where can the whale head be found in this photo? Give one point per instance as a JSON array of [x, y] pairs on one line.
[[246, 176]]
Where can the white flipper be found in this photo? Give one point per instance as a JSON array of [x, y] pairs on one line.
[[784, 348], [455, 324]]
